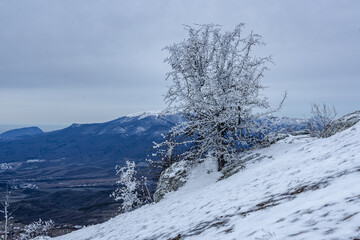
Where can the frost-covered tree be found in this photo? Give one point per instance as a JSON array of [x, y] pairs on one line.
[[131, 191], [37, 228], [215, 84], [164, 156], [5, 202], [322, 116]]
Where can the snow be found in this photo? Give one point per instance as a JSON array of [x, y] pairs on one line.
[[117, 130], [141, 115], [140, 130], [298, 188], [35, 160]]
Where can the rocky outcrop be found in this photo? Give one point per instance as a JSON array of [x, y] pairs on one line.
[[173, 178], [341, 124]]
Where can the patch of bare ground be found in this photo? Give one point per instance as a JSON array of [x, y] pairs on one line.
[[354, 198], [297, 234], [229, 230], [178, 237], [305, 188], [201, 227], [349, 216], [330, 231]]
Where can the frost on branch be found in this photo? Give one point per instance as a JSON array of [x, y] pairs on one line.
[[37, 228], [323, 117], [132, 192], [215, 84], [5, 202]]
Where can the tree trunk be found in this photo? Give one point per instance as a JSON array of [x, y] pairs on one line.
[[221, 159], [6, 219], [221, 162]]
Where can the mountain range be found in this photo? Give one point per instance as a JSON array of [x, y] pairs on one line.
[[20, 133], [48, 170], [77, 162]]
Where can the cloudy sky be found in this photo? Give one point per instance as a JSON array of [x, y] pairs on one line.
[[66, 61]]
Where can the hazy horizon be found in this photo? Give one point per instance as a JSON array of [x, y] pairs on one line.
[[45, 128]]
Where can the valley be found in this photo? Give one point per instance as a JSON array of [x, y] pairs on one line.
[[68, 175]]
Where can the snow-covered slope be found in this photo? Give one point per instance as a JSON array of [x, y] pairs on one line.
[[298, 188]]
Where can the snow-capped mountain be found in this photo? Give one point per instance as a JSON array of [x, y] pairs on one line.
[[91, 142], [298, 188]]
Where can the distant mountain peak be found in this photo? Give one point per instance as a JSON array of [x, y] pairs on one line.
[[141, 115], [21, 132]]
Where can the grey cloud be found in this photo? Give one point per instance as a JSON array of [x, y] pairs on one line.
[[95, 45]]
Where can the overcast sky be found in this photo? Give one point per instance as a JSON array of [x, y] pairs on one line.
[[84, 61]]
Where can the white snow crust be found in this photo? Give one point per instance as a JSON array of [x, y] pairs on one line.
[[301, 188], [141, 115]]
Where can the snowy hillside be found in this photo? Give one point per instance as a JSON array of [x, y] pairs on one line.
[[298, 188]]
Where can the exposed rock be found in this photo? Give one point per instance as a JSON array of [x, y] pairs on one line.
[[173, 178], [341, 124]]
